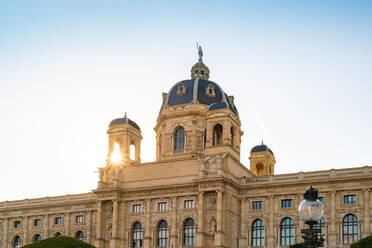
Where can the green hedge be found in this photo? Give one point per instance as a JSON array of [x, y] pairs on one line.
[[363, 243], [59, 242]]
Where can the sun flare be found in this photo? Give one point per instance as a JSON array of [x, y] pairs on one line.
[[116, 156]]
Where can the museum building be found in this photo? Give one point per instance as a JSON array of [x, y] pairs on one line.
[[197, 193]]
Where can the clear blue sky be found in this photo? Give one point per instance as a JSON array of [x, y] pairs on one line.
[[300, 72]]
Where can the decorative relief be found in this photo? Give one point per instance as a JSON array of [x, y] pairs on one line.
[[212, 203], [211, 165]]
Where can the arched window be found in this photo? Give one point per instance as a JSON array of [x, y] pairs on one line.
[[217, 135], [163, 234], [79, 235], [321, 226], [137, 235], [286, 232], [259, 169], [258, 233], [36, 237], [179, 139], [57, 234], [350, 228], [232, 133], [17, 242], [189, 231], [132, 152]]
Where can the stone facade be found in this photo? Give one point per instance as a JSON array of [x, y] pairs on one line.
[[196, 193]]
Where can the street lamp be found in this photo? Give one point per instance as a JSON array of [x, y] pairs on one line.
[[311, 211]]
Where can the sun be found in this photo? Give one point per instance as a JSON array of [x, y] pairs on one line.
[[115, 155]]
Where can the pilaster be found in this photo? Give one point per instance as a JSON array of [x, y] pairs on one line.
[[5, 232], [147, 234], [332, 237], [271, 235], [243, 227], [99, 242], [115, 221], [219, 234], [366, 214], [46, 226], [200, 229], [25, 230], [173, 232]]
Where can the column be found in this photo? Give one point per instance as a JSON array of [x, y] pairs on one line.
[[147, 234], [200, 228], [173, 232], [301, 223], [67, 222], [243, 227], [218, 237], [5, 233], [25, 230], [115, 221], [271, 235], [89, 224], [332, 240], [46, 226], [122, 225], [366, 213], [99, 238]]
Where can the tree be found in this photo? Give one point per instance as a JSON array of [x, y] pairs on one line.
[[363, 243], [59, 242]]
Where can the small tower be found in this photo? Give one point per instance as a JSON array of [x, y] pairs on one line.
[[124, 140], [262, 160]]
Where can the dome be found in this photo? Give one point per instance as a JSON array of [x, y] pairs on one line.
[[261, 148], [124, 120], [201, 91]]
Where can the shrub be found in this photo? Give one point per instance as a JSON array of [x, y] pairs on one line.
[[59, 242], [301, 245], [363, 243]]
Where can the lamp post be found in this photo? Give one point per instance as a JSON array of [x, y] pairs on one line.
[[311, 211]]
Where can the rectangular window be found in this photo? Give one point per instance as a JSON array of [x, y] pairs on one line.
[[58, 220], [321, 199], [37, 222], [79, 219], [137, 208], [287, 203], [349, 199], [257, 205], [17, 224], [162, 206], [189, 204]]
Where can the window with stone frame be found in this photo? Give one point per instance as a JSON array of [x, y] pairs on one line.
[[79, 218], [137, 208], [58, 220], [189, 204], [17, 224], [37, 222], [349, 199], [257, 205], [287, 203], [162, 206]]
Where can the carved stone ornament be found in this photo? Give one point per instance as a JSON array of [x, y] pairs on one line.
[[211, 165]]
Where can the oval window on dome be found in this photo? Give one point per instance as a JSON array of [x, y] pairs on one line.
[[181, 89], [209, 90]]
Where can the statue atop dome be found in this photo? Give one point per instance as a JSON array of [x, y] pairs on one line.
[[200, 52]]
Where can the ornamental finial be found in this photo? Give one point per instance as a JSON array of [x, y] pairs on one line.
[[200, 52]]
